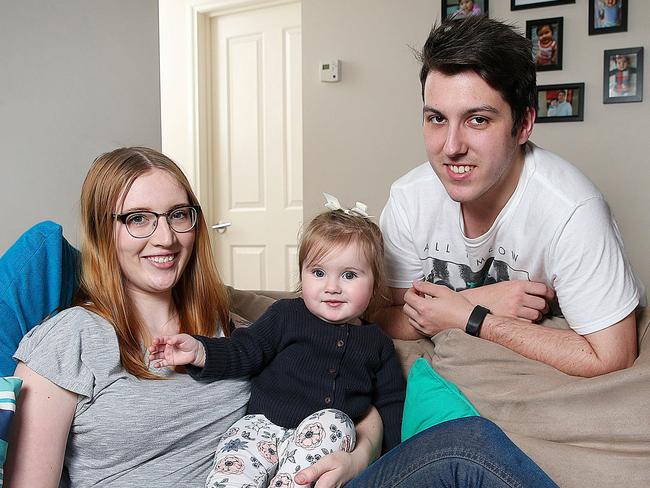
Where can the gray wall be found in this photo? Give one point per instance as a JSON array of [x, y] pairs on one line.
[[77, 78], [362, 133]]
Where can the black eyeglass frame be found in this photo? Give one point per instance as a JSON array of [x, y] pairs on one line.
[[125, 216]]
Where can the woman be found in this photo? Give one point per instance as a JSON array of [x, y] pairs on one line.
[[91, 411]]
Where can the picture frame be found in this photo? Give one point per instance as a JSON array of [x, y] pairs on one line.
[[607, 16], [546, 36], [561, 102], [525, 4], [623, 75], [454, 9]]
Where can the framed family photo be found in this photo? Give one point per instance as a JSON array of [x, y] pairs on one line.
[[546, 36], [523, 4], [607, 16], [623, 75], [561, 103], [458, 9]]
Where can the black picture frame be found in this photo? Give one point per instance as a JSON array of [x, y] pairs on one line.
[[623, 75], [449, 7], [525, 4], [544, 59], [604, 20], [574, 95]]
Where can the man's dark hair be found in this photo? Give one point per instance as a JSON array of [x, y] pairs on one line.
[[493, 50]]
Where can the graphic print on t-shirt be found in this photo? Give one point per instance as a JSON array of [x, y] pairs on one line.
[[458, 276]]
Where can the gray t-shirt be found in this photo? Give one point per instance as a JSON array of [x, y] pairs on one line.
[[126, 431]]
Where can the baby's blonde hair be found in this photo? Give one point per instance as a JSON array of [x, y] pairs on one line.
[[335, 229]]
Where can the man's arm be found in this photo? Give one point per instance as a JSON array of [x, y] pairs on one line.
[[527, 300], [432, 308], [393, 321], [522, 299]]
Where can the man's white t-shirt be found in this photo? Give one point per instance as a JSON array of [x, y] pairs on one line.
[[556, 229]]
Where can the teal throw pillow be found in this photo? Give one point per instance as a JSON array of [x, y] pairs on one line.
[[9, 388], [431, 400]]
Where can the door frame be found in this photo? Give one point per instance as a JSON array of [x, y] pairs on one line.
[[185, 67]]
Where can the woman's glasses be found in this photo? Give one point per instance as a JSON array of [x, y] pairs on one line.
[[141, 224]]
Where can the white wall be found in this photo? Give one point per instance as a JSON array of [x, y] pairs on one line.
[[363, 132], [78, 78]]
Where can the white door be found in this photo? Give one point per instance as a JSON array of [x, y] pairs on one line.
[[257, 146]]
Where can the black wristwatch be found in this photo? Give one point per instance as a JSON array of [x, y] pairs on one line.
[[475, 320]]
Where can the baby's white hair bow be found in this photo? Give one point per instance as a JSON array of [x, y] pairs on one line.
[[359, 208]]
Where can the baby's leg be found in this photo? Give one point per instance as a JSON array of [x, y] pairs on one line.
[[321, 433], [247, 455]]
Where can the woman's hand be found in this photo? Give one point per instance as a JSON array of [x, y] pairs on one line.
[[332, 471], [336, 469], [177, 350]]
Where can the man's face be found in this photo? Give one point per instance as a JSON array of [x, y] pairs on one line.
[[468, 138], [561, 96]]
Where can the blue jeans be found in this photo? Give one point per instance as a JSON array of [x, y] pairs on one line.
[[467, 452]]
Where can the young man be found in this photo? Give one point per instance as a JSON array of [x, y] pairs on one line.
[[564, 108], [494, 220]]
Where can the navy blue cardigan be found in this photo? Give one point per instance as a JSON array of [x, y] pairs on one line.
[[300, 364]]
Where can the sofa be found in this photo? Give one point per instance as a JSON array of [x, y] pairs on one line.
[[581, 431]]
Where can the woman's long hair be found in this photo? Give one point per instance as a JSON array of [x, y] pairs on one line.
[[199, 295]]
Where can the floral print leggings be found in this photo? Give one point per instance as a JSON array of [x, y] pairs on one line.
[[254, 449]]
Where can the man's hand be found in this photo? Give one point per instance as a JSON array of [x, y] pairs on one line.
[[433, 308], [526, 300]]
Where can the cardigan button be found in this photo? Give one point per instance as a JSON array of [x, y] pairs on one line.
[[340, 343], [328, 400], [331, 371]]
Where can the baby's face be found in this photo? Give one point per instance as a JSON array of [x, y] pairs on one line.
[[621, 63], [466, 5], [610, 3], [545, 35], [338, 287]]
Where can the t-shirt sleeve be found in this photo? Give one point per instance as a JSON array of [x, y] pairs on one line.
[[593, 279], [403, 265], [56, 350]]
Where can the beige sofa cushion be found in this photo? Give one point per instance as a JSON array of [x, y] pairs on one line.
[[581, 431]]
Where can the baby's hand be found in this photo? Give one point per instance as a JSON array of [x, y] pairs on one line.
[[176, 350]]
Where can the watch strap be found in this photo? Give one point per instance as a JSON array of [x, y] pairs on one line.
[[475, 320]]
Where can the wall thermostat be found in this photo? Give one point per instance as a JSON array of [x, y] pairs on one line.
[[330, 71]]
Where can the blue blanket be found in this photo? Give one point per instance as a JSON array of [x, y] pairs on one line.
[[38, 276]]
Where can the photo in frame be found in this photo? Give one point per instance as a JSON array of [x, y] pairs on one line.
[[547, 38], [458, 9], [561, 103], [607, 16], [523, 4], [623, 75]]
